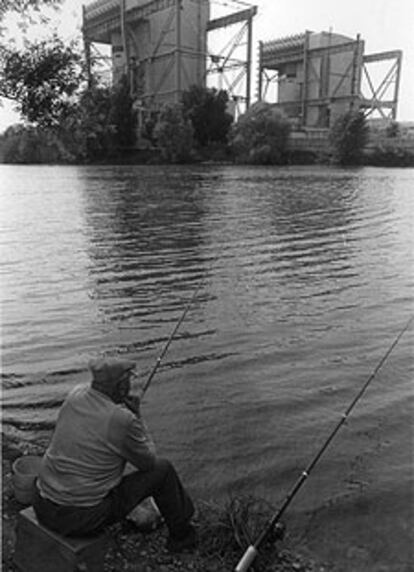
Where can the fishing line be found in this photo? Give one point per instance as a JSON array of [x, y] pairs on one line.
[[252, 551], [170, 339]]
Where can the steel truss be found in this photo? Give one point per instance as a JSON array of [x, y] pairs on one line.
[[379, 97], [344, 87], [170, 51], [234, 73]]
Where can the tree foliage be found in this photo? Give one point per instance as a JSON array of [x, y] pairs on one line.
[[96, 126], [393, 129], [42, 78], [260, 136], [86, 131], [82, 123], [174, 134], [102, 122], [207, 110], [28, 12], [28, 144], [122, 115], [348, 136], [23, 6]]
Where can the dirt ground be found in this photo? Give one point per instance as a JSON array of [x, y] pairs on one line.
[[130, 550]]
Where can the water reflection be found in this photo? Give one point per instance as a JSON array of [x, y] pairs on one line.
[[306, 274], [118, 248], [144, 240]]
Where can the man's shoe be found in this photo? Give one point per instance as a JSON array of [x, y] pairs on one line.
[[183, 542]]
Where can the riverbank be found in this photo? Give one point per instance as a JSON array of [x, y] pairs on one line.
[[131, 550], [30, 146]]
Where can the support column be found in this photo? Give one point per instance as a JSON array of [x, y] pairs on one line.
[[260, 79], [397, 87], [305, 79], [249, 60], [124, 38], [178, 59], [355, 79], [199, 44], [87, 48]]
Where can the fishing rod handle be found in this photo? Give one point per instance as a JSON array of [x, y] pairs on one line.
[[252, 551], [247, 559]]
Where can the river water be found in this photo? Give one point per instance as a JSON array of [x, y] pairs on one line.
[[305, 278]]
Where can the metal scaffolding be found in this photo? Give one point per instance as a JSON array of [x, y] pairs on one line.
[[161, 46], [234, 73], [158, 44], [317, 77], [382, 96]]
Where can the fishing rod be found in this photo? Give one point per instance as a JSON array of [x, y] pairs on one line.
[[252, 551], [170, 339]]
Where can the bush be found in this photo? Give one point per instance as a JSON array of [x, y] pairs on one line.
[[390, 156], [99, 124], [260, 136], [392, 129], [31, 145], [87, 130], [207, 110], [43, 79], [122, 115], [348, 137], [174, 135]]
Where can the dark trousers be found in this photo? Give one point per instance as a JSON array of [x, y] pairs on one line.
[[162, 483]]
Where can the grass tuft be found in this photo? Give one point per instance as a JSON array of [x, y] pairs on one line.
[[226, 531]]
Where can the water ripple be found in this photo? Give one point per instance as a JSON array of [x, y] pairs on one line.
[[306, 275]]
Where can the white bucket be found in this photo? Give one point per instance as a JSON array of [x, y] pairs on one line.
[[25, 471]]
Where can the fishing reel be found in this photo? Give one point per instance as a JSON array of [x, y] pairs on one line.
[[276, 532]]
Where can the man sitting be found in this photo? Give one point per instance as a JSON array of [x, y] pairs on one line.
[[81, 487]]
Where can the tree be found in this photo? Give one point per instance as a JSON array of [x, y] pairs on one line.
[[393, 129], [47, 81], [348, 136], [42, 78], [24, 6], [260, 136], [86, 130], [122, 115], [27, 144], [207, 110], [29, 12], [102, 121], [174, 134]]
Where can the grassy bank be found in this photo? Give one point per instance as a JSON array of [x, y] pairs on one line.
[[223, 535]]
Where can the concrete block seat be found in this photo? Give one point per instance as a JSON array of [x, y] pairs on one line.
[[38, 549]]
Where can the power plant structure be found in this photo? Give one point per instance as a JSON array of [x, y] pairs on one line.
[[163, 48], [316, 77]]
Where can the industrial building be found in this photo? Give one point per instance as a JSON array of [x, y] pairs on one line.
[[161, 45], [315, 77]]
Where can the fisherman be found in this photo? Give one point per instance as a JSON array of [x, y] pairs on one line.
[[82, 488]]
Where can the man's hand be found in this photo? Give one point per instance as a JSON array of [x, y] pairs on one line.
[[133, 403]]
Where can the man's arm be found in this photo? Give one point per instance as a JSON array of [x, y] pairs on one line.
[[138, 447]]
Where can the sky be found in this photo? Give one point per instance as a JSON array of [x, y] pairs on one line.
[[384, 25]]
